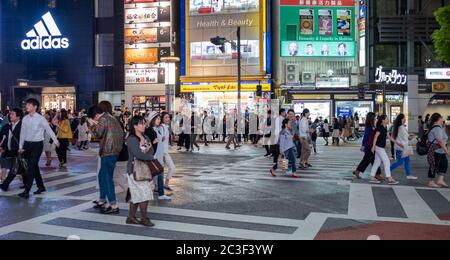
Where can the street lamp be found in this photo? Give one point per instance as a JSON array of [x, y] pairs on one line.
[[220, 41], [170, 68]]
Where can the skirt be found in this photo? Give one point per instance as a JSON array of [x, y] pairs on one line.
[[140, 191], [336, 133]]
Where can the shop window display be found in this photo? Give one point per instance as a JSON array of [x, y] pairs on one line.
[[58, 101], [206, 51], [145, 104], [204, 7]]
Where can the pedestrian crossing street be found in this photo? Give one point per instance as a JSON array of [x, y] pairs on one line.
[[366, 203]]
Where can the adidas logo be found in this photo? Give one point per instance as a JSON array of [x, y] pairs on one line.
[[45, 35]]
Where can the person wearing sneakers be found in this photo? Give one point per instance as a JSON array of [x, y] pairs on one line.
[[305, 135], [366, 148], [288, 148], [400, 133], [165, 143], [379, 148], [438, 153], [155, 132]]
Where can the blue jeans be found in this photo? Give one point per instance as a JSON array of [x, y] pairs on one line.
[[292, 157], [161, 184], [400, 161], [105, 178]]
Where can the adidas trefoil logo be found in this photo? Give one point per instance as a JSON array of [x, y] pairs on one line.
[[45, 35]]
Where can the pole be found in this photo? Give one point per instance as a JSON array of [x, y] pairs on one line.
[[239, 68], [384, 99]]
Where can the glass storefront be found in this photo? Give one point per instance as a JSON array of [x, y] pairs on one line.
[[317, 108], [142, 104], [58, 101], [224, 101], [349, 108]]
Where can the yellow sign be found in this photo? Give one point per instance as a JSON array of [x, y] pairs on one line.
[[223, 87], [441, 87]]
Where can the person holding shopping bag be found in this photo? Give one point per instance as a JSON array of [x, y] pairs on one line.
[[401, 135], [288, 148]]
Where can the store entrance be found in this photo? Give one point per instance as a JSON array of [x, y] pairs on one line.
[[50, 97]]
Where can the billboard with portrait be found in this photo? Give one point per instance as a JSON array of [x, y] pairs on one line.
[[317, 49], [318, 28]]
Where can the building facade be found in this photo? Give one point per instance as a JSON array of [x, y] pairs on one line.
[[209, 72], [59, 51]]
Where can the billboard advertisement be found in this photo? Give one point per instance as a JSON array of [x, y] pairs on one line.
[[209, 19], [317, 49], [146, 55], [147, 35], [319, 28], [145, 76], [147, 15]]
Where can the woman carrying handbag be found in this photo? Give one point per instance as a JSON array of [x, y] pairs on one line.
[[400, 133], [155, 132], [139, 191]]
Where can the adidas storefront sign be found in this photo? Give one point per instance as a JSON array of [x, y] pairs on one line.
[[45, 43], [45, 35]]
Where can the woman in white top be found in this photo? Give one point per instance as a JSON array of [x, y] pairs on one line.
[[83, 132], [165, 144], [401, 135], [326, 131]]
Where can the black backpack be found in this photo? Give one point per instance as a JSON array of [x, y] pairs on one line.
[[423, 146]]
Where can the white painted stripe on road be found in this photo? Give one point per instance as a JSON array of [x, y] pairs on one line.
[[415, 207], [310, 227], [57, 182], [223, 216], [188, 228], [84, 234], [361, 202], [445, 193], [69, 190]]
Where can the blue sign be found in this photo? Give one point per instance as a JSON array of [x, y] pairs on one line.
[[362, 10], [344, 112]]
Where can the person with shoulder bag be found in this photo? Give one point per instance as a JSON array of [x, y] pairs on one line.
[[400, 133], [139, 192], [155, 132]]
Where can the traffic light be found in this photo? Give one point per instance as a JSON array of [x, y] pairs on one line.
[[219, 41], [361, 93], [259, 91]]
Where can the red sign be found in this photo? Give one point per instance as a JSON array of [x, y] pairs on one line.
[[318, 2], [162, 99]]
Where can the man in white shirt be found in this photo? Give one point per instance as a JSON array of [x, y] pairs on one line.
[[304, 139], [31, 145]]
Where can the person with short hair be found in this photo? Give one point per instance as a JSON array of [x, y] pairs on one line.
[[31, 145], [107, 129], [10, 146]]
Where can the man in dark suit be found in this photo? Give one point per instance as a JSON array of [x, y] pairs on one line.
[[10, 145]]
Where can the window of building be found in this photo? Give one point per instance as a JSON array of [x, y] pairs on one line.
[[104, 50], [386, 7], [104, 8], [51, 4], [386, 55]]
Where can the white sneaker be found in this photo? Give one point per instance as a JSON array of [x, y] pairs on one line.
[[164, 197], [412, 178]]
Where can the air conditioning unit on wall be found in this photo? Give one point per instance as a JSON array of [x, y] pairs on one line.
[[292, 74], [308, 78]]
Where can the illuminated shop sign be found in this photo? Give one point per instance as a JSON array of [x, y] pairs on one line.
[[393, 77], [45, 35], [145, 76]]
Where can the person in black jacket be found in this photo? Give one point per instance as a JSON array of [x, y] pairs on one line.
[[10, 146]]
